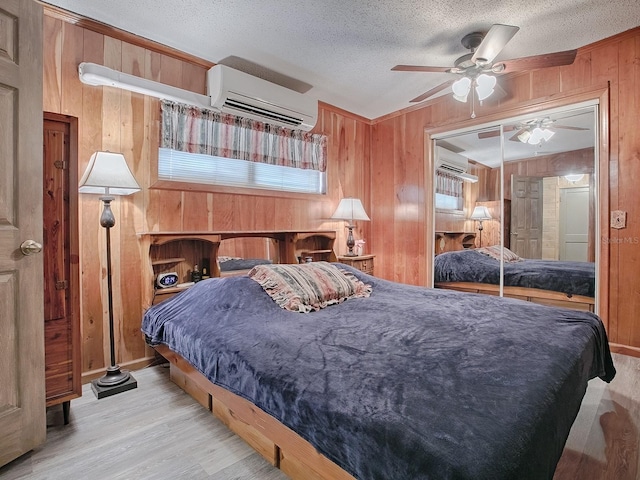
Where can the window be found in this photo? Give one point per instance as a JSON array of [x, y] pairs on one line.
[[203, 146], [448, 202], [449, 192], [179, 166]]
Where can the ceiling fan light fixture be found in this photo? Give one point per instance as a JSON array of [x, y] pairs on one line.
[[461, 89], [485, 85], [536, 136], [547, 134], [524, 136]]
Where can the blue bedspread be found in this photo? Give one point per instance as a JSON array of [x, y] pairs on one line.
[[573, 278], [411, 383]]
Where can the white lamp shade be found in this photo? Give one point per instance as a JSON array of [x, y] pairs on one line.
[[536, 136], [480, 213], [524, 136], [547, 134], [461, 89], [485, 85], [350, 209], [108, 174]]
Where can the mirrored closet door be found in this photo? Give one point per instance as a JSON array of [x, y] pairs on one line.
[[516, 207]]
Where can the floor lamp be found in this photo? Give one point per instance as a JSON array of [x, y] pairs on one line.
[[108, 175], [480, 213], [350, 209]]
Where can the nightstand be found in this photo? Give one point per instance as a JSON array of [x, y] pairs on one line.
[[364, 263]]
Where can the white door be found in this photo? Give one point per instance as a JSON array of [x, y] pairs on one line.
[[574, 224], [22, 397]]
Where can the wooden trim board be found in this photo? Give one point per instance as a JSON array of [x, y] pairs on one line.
[[278, 444], [625, 349], [132, 365], [535, 295]]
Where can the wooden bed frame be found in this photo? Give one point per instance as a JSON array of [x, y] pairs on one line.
[[278, 444], [535, 295]]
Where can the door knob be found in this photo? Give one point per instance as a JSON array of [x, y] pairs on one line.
[[29, 247]]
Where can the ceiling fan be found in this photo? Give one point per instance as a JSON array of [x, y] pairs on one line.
[[479, 65], [532, 131]]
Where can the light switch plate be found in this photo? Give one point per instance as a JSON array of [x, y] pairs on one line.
[[618, 219]]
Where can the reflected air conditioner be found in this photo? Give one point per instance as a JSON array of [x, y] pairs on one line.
[[453, 164]]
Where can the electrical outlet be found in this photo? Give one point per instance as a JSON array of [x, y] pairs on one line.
[[618, 219]]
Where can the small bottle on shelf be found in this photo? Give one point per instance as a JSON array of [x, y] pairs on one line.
[[196, 276]]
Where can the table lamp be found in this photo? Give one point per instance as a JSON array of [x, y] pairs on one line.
[[350, 209]]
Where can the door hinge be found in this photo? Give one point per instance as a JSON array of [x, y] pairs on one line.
[[59, 164], [62, 284]]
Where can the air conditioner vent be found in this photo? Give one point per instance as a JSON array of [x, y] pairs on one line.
[[447, 167], [454, 164], [242, 107]]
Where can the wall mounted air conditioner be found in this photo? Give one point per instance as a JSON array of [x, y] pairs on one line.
[[239, 93], [453, 164]]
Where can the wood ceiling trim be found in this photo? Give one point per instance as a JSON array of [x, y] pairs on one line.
[[108, 30]]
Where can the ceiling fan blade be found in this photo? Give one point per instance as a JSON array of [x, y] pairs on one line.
[[539, 61], [432, 92], [450, 146], [493, 43], [566, 127], [494, 133], [490, 134], [420, 68]]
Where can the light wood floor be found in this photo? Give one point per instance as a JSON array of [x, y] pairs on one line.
[[153, 432], [604, 443], [159, 432]]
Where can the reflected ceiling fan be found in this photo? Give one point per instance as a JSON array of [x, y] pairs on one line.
[[532, 131], [477, 69]]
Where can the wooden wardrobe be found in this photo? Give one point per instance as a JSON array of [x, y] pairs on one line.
[[61, 261]]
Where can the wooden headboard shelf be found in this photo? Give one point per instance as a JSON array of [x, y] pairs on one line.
[[180, 251]]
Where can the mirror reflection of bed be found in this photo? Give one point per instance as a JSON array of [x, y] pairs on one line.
[[236, 256], [541, 199]]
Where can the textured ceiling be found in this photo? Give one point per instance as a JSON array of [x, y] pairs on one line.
[[342, 51]]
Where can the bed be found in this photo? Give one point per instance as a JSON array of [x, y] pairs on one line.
[[408, 383], [560, 283]]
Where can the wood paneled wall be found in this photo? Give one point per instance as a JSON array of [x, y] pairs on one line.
[[399, 158], [384, 162], [121, 121], [576, 161]]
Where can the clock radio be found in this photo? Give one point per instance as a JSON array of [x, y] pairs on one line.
[[164, 280]]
